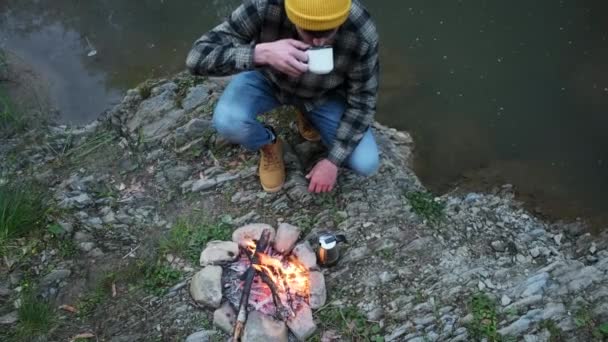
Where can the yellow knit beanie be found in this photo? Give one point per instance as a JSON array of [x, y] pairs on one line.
[[317, 15]]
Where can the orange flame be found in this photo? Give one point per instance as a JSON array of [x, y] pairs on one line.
[[287, 274]]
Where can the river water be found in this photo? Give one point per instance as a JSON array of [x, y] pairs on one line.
[[494, 92]]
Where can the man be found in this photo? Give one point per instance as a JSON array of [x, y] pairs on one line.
[[265, 41]]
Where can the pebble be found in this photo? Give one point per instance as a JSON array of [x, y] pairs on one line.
[[287, 236], [55, 276], [225, 318], [219, 253], [201, 336], [302, 325], [9, 318], [306, 255], [318, 292], [206, 286], [243, 235], [262, 328]]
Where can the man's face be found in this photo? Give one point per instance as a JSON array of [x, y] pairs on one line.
[[317, 38]]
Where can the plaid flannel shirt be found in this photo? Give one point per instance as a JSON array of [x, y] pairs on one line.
[[229, 49]]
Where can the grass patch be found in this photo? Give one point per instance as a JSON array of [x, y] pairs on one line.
[[184, 85], [350, 323], [555, 334], [36, 317], [100, 294], [189, 235], [424, 205], [22, 211], [157, 277], [485, 319], [590, 326], [94, 143], [11, 120], [67, 248]]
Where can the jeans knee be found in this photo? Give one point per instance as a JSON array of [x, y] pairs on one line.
[[226, 123], [365, 165]]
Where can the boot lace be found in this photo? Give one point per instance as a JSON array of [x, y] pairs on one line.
[[271, 157]]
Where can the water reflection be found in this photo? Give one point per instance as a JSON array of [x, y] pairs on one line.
[[133, 41], [493, 91]]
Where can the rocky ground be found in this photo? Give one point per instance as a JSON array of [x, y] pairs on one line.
[[136, 195]]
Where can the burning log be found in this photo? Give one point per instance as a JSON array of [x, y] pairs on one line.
[[248, 276]]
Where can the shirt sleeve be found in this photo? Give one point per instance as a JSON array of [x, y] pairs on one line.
[[228, 48], [361, 98]]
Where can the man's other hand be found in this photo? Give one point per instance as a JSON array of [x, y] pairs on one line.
[[322, 177], [287, 56]]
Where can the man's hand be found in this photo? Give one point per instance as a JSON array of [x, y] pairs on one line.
[[287, 56], [323, 176]]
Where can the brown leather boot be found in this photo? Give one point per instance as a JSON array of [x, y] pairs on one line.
[[307, 131], [272, 168]]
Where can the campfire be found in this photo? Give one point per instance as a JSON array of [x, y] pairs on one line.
[[264, 282]]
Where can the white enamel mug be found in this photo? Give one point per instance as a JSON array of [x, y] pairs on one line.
[[320, 59]]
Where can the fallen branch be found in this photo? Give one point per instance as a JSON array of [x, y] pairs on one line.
[[248, 276]]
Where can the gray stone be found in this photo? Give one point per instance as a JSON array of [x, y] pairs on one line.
[[82, 237], [535, 285], [584, 278], [201, 336], [208, 183], [261, 328], [155, 110], [505, 300], [375, 314], [206, 286], [419, 244], [601, 311], [86, 246], [305, 255], [9, 318], [287, 236], [96, 253], [535, 252], [302, 325], [318, 292], [525, 302], [424, 321], [67, 226], [553, 311], [109, 218], [55, 276], [243, 235], [178, 173], [387, 277], [355, 254], [225, 318], [80, 201], [558, 239], [94, 222], [219, 253], [4, 291], [196, 96], [516, 328], [498, 246], [398, 332]]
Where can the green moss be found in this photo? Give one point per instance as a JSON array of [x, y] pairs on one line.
[[424, 205], [484, 324]]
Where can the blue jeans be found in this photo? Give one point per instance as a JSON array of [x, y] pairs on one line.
[[250, 94]]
